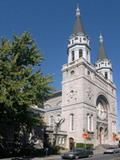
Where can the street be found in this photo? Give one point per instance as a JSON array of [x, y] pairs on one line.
[[58, 157], [95, 157], [104, 157]]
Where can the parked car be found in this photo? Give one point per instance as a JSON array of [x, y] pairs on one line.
[[111, 150], [77, 153], [90, 150]]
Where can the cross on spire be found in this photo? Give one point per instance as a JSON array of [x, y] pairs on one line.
[[77, 10]]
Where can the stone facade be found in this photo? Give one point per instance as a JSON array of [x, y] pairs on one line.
[[87, 103]]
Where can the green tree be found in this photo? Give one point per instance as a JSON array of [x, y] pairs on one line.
[[22, 84]]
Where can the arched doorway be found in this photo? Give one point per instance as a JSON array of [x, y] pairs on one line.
[[102, 119], [101, 135], [71, 143]]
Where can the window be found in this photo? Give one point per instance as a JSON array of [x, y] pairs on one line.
[[90, 122], [84, 39], [58, 117], [73, 56], [88, 72], [72, 72], [106, 75], [71, 122], [76, 38], [63, 140], [87, 56], [59, 140], [80, 53], [51, 120]]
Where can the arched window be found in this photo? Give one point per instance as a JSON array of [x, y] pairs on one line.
[[87, 56], [80, 53], [63, 140], [90, 122], [76, 38], [102, 107], [59, 140], [106, 75], [73, 56], [72, 72], [58, 117], [51, 121], [71, 122]]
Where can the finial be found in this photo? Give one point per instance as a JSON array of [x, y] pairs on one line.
[[101, 38], [77, 10]]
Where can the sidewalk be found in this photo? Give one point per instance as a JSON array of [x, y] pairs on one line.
[[52, 157]]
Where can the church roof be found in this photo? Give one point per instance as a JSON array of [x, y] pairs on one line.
[[102, 54], [78, 26]]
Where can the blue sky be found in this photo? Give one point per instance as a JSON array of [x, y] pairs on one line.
[[50, 23]]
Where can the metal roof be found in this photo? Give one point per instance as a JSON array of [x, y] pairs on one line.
[[102, 54], [78, 26]]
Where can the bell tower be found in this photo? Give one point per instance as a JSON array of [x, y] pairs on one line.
[[73, 74], [103, 64], [78, 45]]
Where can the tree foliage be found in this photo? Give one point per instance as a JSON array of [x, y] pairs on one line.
[[22, 83]]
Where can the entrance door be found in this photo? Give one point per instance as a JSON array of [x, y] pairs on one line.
[[71, 143], [101, 135]]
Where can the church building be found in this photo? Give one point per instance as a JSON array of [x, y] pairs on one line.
[[85, 109]]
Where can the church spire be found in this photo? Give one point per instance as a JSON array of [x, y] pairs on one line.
[[102, 53], [78, 44], [103, 64], [78, 26]]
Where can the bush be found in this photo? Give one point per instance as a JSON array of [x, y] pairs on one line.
[[82, 145], [56, 150]]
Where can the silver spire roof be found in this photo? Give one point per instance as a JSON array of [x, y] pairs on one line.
[[78, 26], [102, 54]]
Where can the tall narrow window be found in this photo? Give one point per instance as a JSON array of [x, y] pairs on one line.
[[59, 140], [51, 120], [63, 140], [88, 122], [71, 122], [58, 117], [106, 75], [87, 56], [91, 128], [80, 53], [73, 56]]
